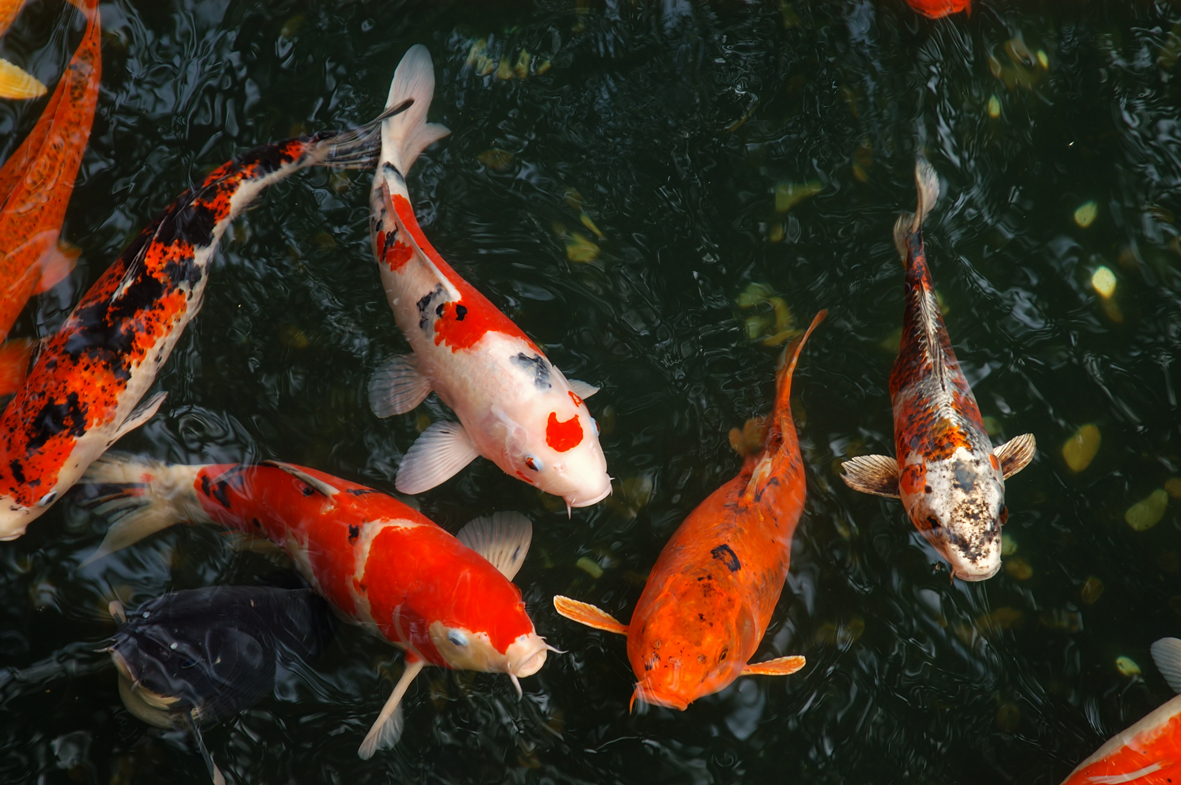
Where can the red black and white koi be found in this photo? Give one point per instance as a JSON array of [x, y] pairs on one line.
[[83, 393], [514, 407], [948, 475], [447, 601]]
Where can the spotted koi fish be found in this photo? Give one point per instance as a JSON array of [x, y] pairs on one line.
[[447, 601], [937, 9], [1149, 752], [514, 407], [83, 393], [35, 187], [710, 596], [947, 474], [15, 82]]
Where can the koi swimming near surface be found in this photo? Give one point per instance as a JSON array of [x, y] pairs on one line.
[[83, 393], [15, 82], [709, 599], [948, 475], [445, 600], [514, 407], [35, 187], [1149, 752]]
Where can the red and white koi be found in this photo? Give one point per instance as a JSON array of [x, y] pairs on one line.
[[83, 393], [514, 407], [447, 601], [948, 475], [1149, 752]]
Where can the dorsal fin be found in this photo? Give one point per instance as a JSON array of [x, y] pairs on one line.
[[314, 482]]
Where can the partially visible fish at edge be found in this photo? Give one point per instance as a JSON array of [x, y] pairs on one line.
[[948, 475], [15, 82], [937, 9]]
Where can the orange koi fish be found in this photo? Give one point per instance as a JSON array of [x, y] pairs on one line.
[[514, 407], [15, 82], [447, 601], [709, 598], [947, 474], [83, 393], [1149, 752], [35, 187], [937, 9]]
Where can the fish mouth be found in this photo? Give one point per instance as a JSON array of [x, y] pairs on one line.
[[589, 502], [657, 698], [974, 575]]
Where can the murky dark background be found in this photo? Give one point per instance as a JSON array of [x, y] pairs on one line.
[[670, 126]]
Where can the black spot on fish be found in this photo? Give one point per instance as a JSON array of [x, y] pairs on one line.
[[537, 366], [726, 556], [460, 312], [439, 309], [932, 521], [358, 491], [190, 219], [927, 489], [308, 490], [257, 525], [54, 418], [354, 533], [425, 303], [18, 472], [965, 478]]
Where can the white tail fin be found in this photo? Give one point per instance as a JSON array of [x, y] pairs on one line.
[[908, 223], [145, 496], [404, 136]]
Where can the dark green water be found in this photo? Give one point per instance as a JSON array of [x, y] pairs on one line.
[[910, 677]]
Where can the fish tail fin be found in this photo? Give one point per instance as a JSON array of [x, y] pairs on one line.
[[140, 496], [405, 135], [908, 224], [17, 83], [791, 356]]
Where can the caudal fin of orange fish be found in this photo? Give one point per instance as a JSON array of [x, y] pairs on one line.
[[780, 666], [589, 615], [909, 223], [56, 265], [19, 84], [791, 355], [14, 364]]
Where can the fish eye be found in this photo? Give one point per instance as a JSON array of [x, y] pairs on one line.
[[533, 463], [1004, 514], [457, 638]]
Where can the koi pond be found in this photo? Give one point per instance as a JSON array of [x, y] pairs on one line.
[[660, 195]]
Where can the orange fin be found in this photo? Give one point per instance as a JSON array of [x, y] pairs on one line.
[[589, 615], [14, 364], [16, 83], [56, 265], [781, 666]]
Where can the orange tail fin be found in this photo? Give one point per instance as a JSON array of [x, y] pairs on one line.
[[791, 355], [589, 615], [14, 364]]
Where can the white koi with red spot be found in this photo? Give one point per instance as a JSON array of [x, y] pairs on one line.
[[514, 407]]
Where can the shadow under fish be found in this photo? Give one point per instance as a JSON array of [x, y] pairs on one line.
[[199, 657]]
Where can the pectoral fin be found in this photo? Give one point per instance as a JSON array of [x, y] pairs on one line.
[[1166, 653], [397, 387], [1016, 454], [16, 83], [388, 728], [581, 389], [437, 456], [56, 265], [214, 772], [876, 474], [781, 666], [589, 615], [503, 539], [146, 411]]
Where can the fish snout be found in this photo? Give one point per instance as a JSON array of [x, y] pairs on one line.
[[15, 519], [574, 501], [526, 655], [971, 571], [656, 696]]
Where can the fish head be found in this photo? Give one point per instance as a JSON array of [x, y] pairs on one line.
[[689, 643], [464, 649], [958, 503], [553, 443]]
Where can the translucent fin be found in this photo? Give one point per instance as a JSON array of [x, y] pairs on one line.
[[388, 728], [587, 614], [1016, 454], [406, 135], [781, 666], [140, 415], [502, 538], [927, 183], [56, 265], [214, 772], [438, 455], [582, 389], [149, 496], [1166, 653], [312, 482], [14, 364], [16, 83], [397, 386], [876, 474]]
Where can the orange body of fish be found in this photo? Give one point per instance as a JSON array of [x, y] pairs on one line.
[[35, 187], [936, 9], [710, 596]]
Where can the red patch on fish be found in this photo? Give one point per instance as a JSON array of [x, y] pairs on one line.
[[937, 9], [575, 398], [563, 436], [996, 465], [913, 479], [521, 474]]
